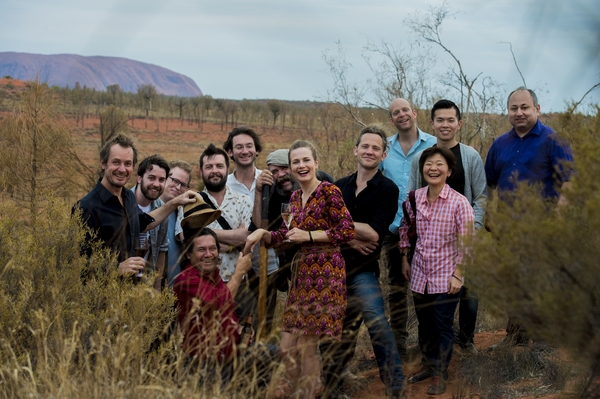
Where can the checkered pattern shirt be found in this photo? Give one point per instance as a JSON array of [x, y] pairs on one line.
[[439, 226]]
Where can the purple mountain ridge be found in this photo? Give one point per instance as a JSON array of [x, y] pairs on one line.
[[95, 72]]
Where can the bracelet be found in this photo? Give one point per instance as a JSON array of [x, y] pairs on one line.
[[459, 279], [310, 237]]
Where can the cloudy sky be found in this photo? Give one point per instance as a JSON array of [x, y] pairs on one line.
[[274, 49]]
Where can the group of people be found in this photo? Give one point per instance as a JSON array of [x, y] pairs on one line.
[[413, 199]]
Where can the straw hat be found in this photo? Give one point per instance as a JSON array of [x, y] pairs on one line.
[[198, 215]]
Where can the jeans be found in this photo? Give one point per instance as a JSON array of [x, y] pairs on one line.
[[467, 316], [398, 296], [435, 313], [365, 303]]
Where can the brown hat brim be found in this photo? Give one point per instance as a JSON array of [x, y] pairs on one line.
[[200, 220]]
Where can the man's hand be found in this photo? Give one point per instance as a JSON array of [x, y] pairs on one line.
[[189, 197], [266, 177], [244, 263], [364, 247], [132, 265]]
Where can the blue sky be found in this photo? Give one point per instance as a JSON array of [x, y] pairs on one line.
[[273, 49]]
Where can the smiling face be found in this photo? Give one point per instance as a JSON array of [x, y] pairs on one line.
[[282, 177], [118, 168], [445, 125], [522, 114], [369, 152], [214, 172], [402, 116], [304, 165], [435, 170], [177, 182], [204, 254], [153, 182], [243, 151]]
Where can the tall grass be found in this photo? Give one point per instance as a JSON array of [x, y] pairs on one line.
[[64, 336]]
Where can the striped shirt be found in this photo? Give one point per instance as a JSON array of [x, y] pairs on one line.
[[439, 226]]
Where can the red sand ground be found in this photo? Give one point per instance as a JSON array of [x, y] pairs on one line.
[[376, 390]]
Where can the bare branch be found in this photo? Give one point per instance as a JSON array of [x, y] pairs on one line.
[[515, 61], [594, 87]]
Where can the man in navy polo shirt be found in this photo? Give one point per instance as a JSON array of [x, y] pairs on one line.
[[530, 152]]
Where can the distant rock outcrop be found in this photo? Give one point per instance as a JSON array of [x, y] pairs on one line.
[[95, 72]]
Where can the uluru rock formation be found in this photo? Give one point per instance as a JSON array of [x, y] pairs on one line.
[[95, 72]]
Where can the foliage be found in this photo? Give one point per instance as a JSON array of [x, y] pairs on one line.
[[61, 336], [112, 122], [541, 261], [36, 150]]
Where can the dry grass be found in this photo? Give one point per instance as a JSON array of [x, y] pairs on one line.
[[63, 337]]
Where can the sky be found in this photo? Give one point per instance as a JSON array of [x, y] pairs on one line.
[[259, 49]]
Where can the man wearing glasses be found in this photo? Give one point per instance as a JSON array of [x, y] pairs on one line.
[[177, 183]]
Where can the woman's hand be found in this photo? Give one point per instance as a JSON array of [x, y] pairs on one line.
[[406, 268], [253, 239], [298, 236], [454, 285]]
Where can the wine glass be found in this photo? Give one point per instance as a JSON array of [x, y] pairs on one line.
[[287, 216], [142, 245]]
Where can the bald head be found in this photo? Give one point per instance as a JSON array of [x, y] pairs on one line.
[[399, 103], [403, 116]]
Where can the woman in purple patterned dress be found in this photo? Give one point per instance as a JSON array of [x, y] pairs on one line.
[[316, 303]]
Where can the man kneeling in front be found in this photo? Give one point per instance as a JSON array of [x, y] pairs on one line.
[[212, 333]]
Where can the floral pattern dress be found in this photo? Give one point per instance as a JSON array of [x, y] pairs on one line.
[[316, 303]]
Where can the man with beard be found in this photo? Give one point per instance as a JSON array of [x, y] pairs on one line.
[[232, 227], [243, 146], [178, 181], [112, 212], [151, 178]]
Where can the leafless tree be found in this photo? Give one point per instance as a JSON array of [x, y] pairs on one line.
[[399, 72], [147, 95], [350, 96]]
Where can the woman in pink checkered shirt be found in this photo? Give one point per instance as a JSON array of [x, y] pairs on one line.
[[436, 276]]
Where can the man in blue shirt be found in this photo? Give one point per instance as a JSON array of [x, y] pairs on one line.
[[402, 147], [530, 152], [180, 175]]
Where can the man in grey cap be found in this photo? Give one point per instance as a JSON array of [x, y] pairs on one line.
[[277, 172]]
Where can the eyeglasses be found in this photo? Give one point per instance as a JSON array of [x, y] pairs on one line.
[[178, 182]]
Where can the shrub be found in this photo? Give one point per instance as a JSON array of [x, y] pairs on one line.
[[541, 261]]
